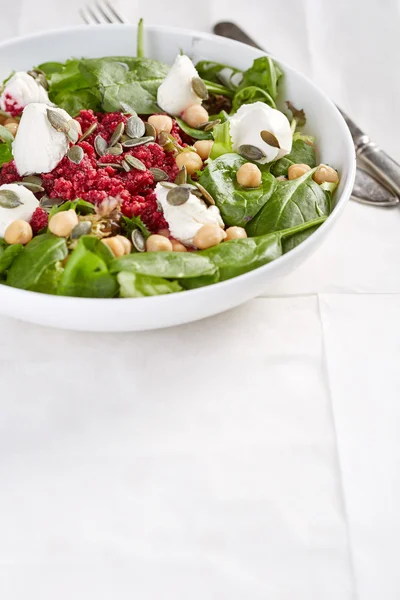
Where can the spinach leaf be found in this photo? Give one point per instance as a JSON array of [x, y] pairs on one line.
[[219, 73], [264, 74], [86, 273], [132, 285], [222, 140], [41, 252], [236, 203], [218, 89], [239, 256], [129, 224], [8, 255], [197, 134], [171, 265], [75, 101], [292, 203], [5, 154], [79, 206], [49, 280], [301, 153], [251, 94]]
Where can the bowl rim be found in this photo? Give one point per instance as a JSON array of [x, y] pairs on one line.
[[17, 293]]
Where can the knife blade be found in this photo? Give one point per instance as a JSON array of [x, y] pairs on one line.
[[382, 190]]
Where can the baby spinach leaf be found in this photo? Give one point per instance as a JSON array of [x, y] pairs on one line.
[[251, 94], [236, 203], [86, 273], [5, 154], [301, 153], [41, 252], [79, 206], [49, 280], [292, 203], [197, 134], [218, 73], [133, 285], [129, 224], [264, 74], [222, 140], [218, 89], [8, 254], [74, 102], [170, 265]]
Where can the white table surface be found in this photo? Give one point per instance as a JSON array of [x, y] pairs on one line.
[[254, 455]]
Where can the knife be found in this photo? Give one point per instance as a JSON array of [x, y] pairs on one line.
[[381, 190]]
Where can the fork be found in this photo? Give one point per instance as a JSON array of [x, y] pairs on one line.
[[100, 12]]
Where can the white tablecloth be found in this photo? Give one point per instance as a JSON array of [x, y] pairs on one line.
[[252, 455]]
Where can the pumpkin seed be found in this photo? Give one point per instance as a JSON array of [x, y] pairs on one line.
[[100, 145], [48, 203], [199, 88], [163, 138], [41, 79], [159, 174], [132, 143], [73, 135], [115, 150], [126, 108], [113, 165], [75, 154], [138, 240], [178, 196], [135, 127], [135, 163], [83, 228], [9, 199], [117, 134], [269, 138], [181, 177], [32, 179], [150, 130], [168, 184], [33, 187], [207, 197], [57, 120], [208, 125], [88, 132], [251, 152], [126, 166]]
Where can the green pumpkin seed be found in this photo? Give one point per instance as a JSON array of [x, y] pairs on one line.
[[269, 138], [73, 135], [181, 178], [115, 150], [9, 199], [126, 108], [117, 134], [83, 228], [113, 165], [150, 130], [32, 179], [178, 196], [199, 88], [138, 240], [168, 184], [41, 79], [100, 145], [126, 166], [75, 154], [48, 203], [57, 121], [135, 127], [88, 132], [207, 197], [132, 143], [251, 152], [159, 174], [33, 187], [135, 163], [208, 125]]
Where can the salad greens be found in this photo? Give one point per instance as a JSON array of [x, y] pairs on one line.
[[237, 204], [6, 139], [302, 153], [134, 285]]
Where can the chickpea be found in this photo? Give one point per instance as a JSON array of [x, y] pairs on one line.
[[164, 232], [118, 244], [191, 160], [63, 223], [195, 115], [9, 120], [249, 175], [161, 123], [18, 232], [177, 246], [203, 148], [235, 233], [158, 243], [209, 235], [325, 174], [296, 171], [12, 128]]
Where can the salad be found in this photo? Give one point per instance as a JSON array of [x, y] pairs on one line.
[[126, 177]]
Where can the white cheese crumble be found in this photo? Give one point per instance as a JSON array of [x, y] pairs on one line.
[[24, 211], [175, 94], [23, 89]]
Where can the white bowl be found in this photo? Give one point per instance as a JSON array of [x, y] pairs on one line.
[[164, 43]]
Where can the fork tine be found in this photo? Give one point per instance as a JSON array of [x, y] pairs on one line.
[[117, 15], [87, 17], [103, 14]]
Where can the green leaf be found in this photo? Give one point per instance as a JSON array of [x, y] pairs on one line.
[[132, 285], [211, 71], [197, 134], [86, 273], [140, 40], [5, 135], [8, 254], [236, 203], [79, 206], [301, 153], [129, 224], [222, 140], [292, 203], [218, 89], [5, 154], [264, 74], [41, 252], [49, 281], [251, 94], [169, 265]]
